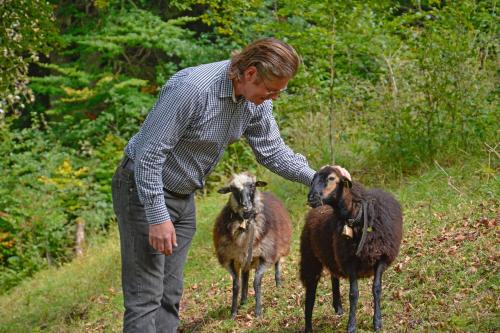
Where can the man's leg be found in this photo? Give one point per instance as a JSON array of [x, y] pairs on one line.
[[167, 317], [142, 266]]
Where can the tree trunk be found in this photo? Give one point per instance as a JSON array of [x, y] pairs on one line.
[[80, 237]]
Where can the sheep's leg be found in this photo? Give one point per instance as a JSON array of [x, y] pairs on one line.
[[257, 282], [337, 301], [236, 289], [377, 291], [353, 301], [310, 273], [311, 286], [244, 287], [277, 274]]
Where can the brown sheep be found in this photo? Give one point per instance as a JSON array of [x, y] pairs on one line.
[[354, 233], [253, 231]]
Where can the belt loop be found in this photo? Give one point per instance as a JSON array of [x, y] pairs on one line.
[[126, 160], [127, 163]]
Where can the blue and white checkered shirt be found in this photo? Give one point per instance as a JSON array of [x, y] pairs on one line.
[[185, 134]]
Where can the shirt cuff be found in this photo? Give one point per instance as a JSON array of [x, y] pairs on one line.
[[157, 213], [305, 176]]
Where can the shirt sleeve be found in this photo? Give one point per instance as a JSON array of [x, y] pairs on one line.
[[264, 137], [167, 121]]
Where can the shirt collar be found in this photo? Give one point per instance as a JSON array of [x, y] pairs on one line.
[[227, 88]]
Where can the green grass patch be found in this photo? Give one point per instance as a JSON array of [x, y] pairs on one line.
[[84, 295], [444, 280]]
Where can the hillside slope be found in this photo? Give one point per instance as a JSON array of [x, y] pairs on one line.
[[445, 279]]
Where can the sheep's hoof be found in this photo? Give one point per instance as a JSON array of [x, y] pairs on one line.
[[233, 315], [339, 311], [377, 325]]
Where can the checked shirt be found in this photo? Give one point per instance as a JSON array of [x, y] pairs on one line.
[[194, 119]]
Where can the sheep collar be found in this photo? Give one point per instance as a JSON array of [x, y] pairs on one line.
[[251, 237], [245, 222], [363, 211], [246, 226], [353, 221]]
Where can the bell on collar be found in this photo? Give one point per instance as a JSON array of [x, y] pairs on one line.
[[347, 231], [243, 225]]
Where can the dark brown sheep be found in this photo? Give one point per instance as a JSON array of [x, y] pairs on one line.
[[253, 231], [332, 235]]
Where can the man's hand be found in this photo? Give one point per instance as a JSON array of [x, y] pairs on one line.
[[343, 172], [162, 237]]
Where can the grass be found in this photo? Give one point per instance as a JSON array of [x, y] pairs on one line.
[[445, 279], [79, 295]]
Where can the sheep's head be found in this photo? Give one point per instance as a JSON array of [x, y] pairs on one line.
[[327, 186], [243, 190]]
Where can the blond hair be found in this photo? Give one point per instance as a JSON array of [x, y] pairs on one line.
[[274, 59]]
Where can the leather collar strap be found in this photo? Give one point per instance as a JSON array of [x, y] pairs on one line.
[[251, 236], [365, 228], [352, 221]]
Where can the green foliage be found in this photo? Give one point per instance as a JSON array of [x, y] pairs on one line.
[[118, 65], [27, 30], [113, 104], [385, 89], [415, 81], [48, 188], [440, 98], [127, 40]]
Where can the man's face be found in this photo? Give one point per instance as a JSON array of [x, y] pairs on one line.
[[257, 89]]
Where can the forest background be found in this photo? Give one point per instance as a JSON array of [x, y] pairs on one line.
[[396, 91]]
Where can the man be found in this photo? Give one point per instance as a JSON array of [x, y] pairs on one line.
[[199, 112]]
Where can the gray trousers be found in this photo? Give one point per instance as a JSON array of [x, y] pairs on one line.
[[152, 282]]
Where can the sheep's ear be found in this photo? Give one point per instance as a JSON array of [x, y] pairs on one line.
[[260, 183], [347, 183], [224, 190]]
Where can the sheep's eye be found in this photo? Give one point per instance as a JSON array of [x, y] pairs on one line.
[[331, 178]]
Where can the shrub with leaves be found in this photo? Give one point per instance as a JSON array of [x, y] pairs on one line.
[[47, 189], [27, 29]]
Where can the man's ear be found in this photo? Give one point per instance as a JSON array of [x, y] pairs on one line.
[[224, 190], [250, 73], [260, 183]]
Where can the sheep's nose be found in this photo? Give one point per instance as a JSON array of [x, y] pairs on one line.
[[247, 214], [314, 199]]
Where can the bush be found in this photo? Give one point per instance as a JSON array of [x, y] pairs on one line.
[[47, 189]]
